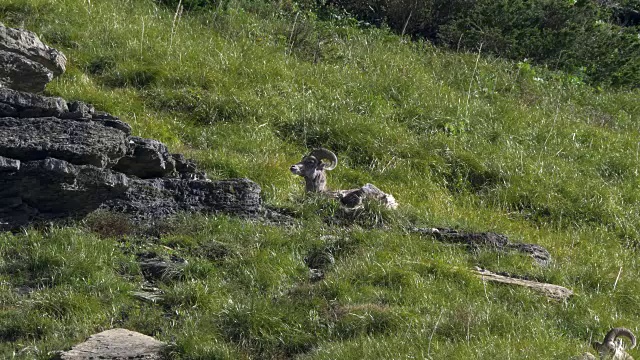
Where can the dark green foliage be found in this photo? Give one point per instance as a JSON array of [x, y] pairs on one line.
[[137, 78], [15, 326], [598, 42], [101, 65], [193, 4], [625, 12]]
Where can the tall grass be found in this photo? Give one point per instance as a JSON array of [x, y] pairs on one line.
[[246, 88]]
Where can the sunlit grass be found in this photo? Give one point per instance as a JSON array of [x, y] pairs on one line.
[[470, 142]]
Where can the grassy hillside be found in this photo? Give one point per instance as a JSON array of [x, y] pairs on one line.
[[461, 140]]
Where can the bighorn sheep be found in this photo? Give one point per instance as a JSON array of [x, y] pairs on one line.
[[312, 169], [612, 347]]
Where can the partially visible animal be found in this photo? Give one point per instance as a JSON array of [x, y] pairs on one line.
[[313, 169], [612, 347]]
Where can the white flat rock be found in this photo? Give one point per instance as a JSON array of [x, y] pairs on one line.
[[116, 344]]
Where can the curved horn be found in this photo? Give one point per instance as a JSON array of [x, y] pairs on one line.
[[616, 332], [325, 154]]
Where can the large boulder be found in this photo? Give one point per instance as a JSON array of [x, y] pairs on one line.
[[26, 63], [21, 73]]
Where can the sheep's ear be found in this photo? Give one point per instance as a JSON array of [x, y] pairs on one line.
[[320, 165]]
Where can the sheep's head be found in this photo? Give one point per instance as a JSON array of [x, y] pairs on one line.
[[312, 168], [612, 346]]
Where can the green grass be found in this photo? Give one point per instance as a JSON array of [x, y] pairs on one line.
[[475, 143]]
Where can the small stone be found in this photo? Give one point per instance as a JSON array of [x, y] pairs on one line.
[[148, 296], [552, 291], [7, 110], [488, 240], [146, 158], [156, 268], [183, 165], [78, 110], [7, 164], [316, 275], [537, 252], [117, 344]]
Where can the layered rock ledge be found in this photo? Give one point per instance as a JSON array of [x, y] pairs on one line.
[[63, 159]]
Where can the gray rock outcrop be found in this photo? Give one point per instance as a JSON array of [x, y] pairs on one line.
[[26, 64], [75, 162], [117, 344], [487, 240], [51, 189], [62, 159]]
